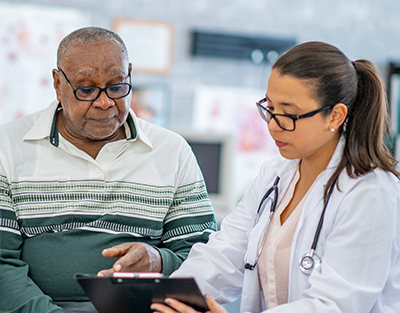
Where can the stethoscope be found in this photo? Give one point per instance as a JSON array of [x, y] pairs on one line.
[[309, 261]]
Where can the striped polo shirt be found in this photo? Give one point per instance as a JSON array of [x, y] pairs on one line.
[[59, 207]]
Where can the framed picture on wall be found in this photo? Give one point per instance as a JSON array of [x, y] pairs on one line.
[[150, 44], [151, 102]]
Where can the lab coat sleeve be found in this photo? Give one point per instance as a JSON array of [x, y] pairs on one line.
[[218, 265], [360, 262]]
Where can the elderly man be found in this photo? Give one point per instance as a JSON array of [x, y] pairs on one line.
[[85, 181]]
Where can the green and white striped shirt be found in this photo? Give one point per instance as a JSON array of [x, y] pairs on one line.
[[60, 207]]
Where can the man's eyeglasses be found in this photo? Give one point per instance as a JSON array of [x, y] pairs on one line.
[[91, 93], [285, 121]]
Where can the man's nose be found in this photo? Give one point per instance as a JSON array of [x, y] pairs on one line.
[[103, 101]]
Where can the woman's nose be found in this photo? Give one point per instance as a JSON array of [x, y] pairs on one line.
[[273, 125]]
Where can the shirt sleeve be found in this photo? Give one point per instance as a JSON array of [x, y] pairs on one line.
[[18, 293], [190, 218]]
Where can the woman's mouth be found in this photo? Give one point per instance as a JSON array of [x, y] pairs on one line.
[[280, 144]]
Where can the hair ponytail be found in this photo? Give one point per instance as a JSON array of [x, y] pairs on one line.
[[367, 124], [334, 79]]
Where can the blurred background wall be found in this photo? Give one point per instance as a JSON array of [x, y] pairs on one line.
[[208, 99], [197, 94]]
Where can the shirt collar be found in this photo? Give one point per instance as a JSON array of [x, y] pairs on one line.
[[46, 127]]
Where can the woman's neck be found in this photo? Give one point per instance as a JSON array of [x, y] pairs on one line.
[[312, 167]]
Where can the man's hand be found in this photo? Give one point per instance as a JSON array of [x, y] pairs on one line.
[[134, 257]]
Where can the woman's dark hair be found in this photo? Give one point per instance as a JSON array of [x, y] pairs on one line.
[[333, 78]]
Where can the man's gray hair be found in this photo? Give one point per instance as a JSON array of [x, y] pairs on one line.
[[87, 35]]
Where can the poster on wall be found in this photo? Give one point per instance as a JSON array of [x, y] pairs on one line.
[[29, 37], [233, 110]]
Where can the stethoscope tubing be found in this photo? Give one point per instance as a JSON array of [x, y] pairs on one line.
[[273, 206], [321, 220], [310, 260], [260, 210]]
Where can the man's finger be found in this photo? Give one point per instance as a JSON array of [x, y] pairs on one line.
[[128, 262], [108, 272], [116, 251], [135, 257]]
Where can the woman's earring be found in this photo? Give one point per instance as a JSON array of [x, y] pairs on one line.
[[332, 130]]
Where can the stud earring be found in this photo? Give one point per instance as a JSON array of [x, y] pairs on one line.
[[332, 130]]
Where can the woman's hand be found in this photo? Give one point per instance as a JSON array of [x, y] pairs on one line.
[[176, 306]]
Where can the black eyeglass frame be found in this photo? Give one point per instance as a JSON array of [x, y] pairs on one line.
[[74, 90], [293, 117]]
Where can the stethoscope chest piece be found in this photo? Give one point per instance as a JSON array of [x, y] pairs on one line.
[[309, 262]]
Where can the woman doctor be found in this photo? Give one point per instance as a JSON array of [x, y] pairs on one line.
[[319, 228]]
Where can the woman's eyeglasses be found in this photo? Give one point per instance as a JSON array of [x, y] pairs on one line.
[[285, 121]]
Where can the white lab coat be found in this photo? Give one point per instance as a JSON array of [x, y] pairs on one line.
[[359, 246]]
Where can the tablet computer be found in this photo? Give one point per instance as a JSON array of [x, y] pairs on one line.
[[135, 292]]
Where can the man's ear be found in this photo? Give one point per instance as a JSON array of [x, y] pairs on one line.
[[338, 116], [57, 83], [130, 68]]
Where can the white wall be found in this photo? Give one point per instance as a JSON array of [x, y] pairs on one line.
[[361, 28]]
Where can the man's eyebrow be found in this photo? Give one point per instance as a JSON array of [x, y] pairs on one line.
[[117, 71], [94, 73], [90, 73]]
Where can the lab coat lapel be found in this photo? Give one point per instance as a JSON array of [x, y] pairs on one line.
[[315, 198], [286, 173], [313, 204], [251, 297]]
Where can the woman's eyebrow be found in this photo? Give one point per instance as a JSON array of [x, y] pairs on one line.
[[285, 104]]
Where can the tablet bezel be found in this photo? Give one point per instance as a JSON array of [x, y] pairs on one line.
[[136, 294]]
